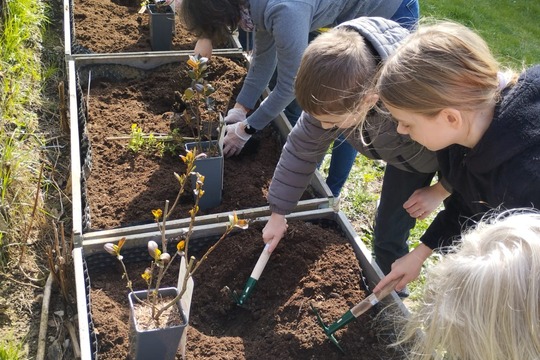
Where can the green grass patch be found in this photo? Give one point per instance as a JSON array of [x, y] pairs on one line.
[[21, 25], [509, 27], [10, 349]]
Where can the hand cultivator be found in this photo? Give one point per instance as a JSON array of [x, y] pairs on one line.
[[252, 281], [354, 312]]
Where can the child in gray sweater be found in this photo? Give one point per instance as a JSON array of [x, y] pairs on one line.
[[336, 70], [282, 30]]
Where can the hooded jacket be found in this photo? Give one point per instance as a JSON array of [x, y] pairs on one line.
[[501, 172], [308, 141]]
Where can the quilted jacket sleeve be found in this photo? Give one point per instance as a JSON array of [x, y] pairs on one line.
[[305, 147]]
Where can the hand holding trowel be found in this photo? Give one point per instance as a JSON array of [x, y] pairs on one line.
[[355, 311]]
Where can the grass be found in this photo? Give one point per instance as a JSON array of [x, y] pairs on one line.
[[31, 61], [11, 349], [510, 28], [21, 25]]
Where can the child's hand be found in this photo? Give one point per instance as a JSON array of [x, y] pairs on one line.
[[203, 47], [425, 200], [274, 230], [235, 139], [407, 267]]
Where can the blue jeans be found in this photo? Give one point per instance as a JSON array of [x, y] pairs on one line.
[[246, 39], [407, 14], [392, 222]]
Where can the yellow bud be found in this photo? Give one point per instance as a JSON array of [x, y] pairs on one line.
[[157, 213], [147, 275], [153, 250], [242, 224], [181, 245]]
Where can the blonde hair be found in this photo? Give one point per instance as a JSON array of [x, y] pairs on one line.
[[483, 300], [336, 69], [439, 66]]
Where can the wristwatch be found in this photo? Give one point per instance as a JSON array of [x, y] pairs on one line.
[[249, 129]]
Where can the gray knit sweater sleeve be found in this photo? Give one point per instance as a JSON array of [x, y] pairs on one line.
[[305, 147], [283, 28], [282, 42]]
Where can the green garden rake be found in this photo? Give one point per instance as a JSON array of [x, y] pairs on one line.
[[252, 281], [354, 312]]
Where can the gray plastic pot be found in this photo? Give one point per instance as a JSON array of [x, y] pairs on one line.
[[212, 170], [154, 344], [161, 28]]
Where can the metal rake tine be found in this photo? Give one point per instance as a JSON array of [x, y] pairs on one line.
[[329, 334], [233, 295]]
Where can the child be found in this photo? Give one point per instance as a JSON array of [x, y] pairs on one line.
[[282, 30], [446, 91], [336, 69], [482, 302]]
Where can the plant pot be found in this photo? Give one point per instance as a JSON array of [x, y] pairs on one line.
[[161, 28], [158, 343], [87, 21], [212, 170]]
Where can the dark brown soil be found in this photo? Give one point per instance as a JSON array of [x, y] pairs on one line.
[[313, 264], [113, 26], [125, 186]]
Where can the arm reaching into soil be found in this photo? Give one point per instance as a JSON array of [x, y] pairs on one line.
[[203, 47]]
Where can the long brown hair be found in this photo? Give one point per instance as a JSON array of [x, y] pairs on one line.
[[212, 19]]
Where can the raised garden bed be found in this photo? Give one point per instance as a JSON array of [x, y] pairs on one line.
[[120, 188], [115, 26], [320, 260]]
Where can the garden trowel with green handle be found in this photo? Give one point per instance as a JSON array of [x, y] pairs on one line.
[[354, 312], [253, 278]]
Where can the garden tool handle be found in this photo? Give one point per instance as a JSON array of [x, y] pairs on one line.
[[373, 299], [261, 263], [254, 277], [385, 291]]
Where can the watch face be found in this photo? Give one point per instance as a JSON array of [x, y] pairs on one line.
[[249, 130]]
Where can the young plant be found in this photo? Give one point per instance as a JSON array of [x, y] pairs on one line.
[[139, 141], [195, 101], [161, 259], [136, 139], [197, 98], [161, 6]]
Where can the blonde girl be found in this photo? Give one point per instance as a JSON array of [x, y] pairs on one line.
[[447, 92], [482, 302]]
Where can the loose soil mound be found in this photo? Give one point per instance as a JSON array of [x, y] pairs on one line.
[[313, 263]]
